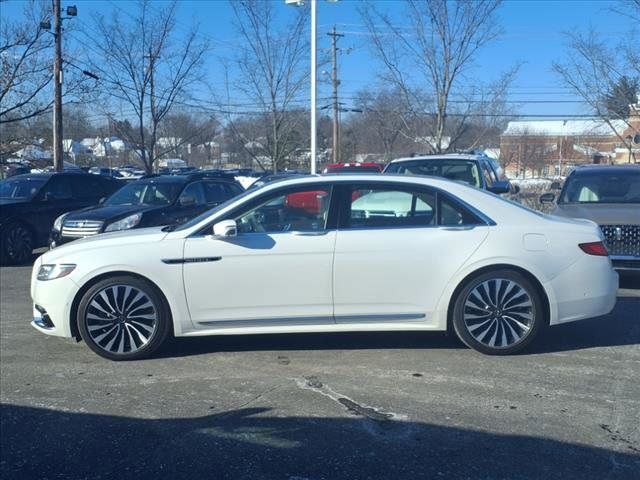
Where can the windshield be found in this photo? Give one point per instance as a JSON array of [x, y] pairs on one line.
[[458, 170], [21, 188], [146, 193], [602, 187]]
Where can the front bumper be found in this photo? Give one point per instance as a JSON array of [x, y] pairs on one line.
[[56, 239], [52, 301]]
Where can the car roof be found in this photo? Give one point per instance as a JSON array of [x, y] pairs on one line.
[[366, 178], [45, 175], [599, 168], [441, 156]]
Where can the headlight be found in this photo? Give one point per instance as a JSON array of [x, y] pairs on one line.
[[124, 224], [57, 224], [53, 271]]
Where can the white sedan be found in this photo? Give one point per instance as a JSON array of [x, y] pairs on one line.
[[330, 254]]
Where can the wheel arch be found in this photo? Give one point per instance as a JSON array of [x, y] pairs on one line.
[[75, 304], [500, 266]]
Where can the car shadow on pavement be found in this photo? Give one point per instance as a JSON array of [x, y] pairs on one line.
[[308, 341], [253, 443], [621, 327]]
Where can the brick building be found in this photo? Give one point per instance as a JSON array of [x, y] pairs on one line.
[[552, 147]]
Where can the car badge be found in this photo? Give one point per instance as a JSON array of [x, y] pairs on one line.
[[618, 234]]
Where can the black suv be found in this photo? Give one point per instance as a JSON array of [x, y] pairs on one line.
[[476, 170], [151, 201], [30, 203]]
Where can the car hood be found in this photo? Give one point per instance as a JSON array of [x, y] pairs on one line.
[[601, 213], [109, 212], [148, 235]]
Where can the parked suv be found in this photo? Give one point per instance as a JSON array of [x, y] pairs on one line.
[[476, 170], [152, 201], [610, 196], [30, 203]]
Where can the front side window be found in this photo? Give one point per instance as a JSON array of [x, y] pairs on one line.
[[192, 191], [21, 188], [388, 207], [58, 188], [291, 211], [489, 176]]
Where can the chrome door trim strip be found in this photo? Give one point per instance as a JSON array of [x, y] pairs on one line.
[[268, 322], [279, 321], [383, 317], [175, 261]]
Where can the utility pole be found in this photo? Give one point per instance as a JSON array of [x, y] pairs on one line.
[[57, 88], [335, 82]]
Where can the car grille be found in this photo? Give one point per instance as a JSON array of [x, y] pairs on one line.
[[80, 228], [622, 239]]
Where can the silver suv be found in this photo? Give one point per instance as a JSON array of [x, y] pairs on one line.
[[476, 170], [610, 196]]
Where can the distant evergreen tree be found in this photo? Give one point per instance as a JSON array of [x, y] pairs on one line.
[[620, 95]]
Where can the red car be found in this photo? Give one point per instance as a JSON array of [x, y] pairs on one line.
[[356, 167]]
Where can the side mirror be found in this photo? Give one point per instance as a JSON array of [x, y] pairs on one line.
[[547, 198], [502, 186], [186, 201], [225, 229], [555, 186], [46, 197], [515, 189]]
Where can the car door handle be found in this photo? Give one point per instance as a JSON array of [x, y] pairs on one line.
[[309, 234]]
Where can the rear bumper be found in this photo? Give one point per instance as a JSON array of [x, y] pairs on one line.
[[587, 289], [624, 263]]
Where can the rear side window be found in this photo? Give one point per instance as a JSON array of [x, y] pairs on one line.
[[382, 207], [194, 190], [400, 207], [87, 187], [452, 214], [217, 192]]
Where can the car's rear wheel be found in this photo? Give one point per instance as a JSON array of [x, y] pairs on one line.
[[17, 244], [498, 312], [123, 318]]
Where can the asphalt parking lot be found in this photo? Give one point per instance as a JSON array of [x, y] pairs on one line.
[[383, 405]]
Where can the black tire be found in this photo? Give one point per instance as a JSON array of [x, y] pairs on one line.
[[499, 312], [16, 244], [115, 322]]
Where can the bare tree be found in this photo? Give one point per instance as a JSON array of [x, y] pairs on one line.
[[146, 67], [25, 66], [271, 74], [592, 69], [428, 58]]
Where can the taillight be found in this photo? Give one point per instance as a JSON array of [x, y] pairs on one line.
[[594, 248]]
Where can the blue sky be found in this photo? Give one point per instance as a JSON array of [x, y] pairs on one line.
[[533, 34]]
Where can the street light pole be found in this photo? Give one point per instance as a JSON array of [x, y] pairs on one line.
[[313, 87], [57, 89]]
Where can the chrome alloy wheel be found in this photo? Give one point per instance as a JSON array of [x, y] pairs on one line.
[[121, 319], [499, 313]]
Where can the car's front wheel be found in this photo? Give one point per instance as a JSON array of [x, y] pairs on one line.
[[123, 318], [17, 244], [498, 312]]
